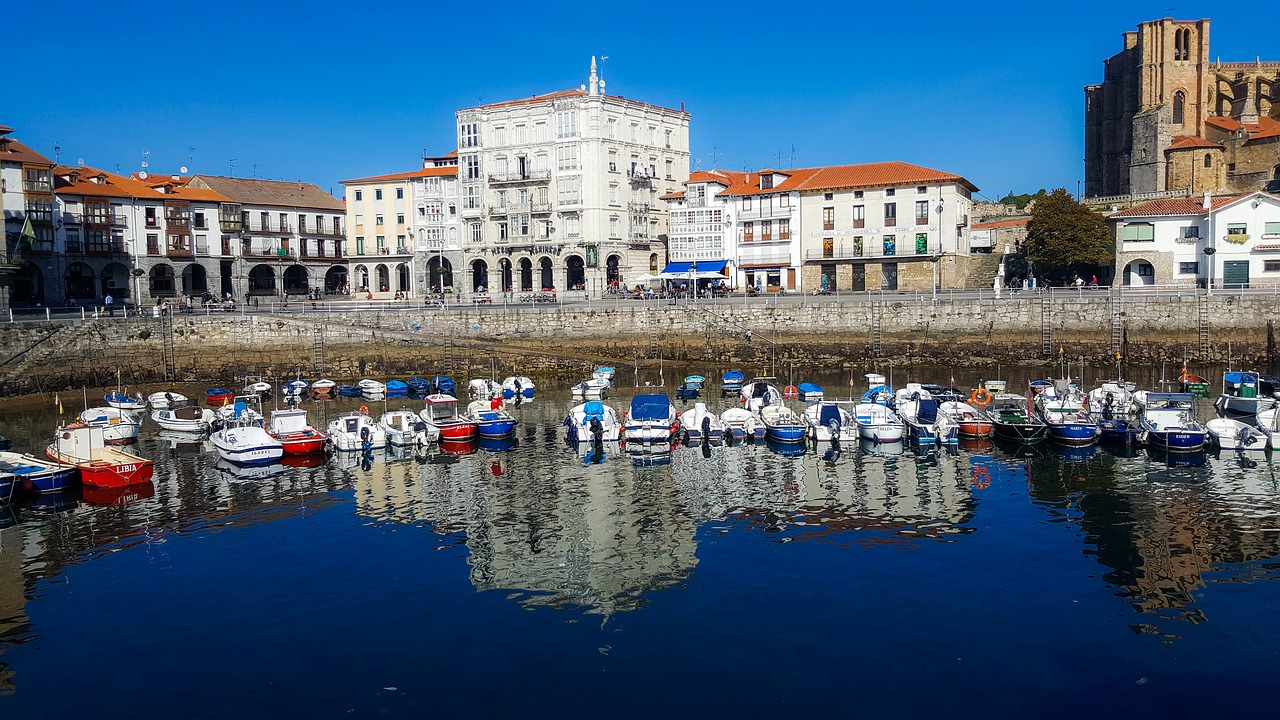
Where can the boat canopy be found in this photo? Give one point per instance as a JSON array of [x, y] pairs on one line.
[[926, 409], [829, 414], [733, 376], [605, 372], [695, 380], [760, 389], [877, 394], [1159, 400], [650, 407], [808, 387], [595, 408]]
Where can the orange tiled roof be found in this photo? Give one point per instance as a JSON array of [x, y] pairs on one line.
[[5, 129], [1170, 207], [878, 173], [1186, 142], [997, 224], [108, 184], [1266, 127], [672, 196], [749, 183], [443, 171], [280, 193], [14, 151]]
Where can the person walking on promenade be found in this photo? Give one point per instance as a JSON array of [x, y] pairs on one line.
[[110, 302]]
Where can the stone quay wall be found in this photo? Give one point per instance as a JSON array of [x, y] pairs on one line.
[[540, 340]]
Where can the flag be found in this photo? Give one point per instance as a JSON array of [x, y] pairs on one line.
[[58, 402], [28, 232]]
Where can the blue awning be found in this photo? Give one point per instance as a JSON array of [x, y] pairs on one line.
[[681, 268]]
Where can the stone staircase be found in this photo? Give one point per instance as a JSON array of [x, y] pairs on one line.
[[981, 270]]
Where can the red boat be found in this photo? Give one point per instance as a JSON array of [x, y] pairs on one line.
[[969, 422], [441, 412], [291, 429], [218, 397], [100, 465]]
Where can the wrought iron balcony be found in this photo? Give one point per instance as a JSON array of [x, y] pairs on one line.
[[517, 177]]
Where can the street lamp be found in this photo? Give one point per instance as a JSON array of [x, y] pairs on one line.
[[693, 280]]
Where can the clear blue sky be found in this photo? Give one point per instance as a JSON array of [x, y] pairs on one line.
[[324, 91]]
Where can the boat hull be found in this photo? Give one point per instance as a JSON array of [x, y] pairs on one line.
[[39, 477], [131, 470], [1119, 432], [309, 444], [1176, 440], [457, 431], [1020, 432], [1076, 434], [218, 397], [788, 433], [496, 428]]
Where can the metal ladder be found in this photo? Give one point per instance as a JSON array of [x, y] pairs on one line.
[[1046, 325], [317, 350], [652, 318], [1117, 324], [1202, 323], [168, 357], [446, 356], [877, 314]]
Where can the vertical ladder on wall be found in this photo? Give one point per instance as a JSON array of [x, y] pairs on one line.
[[167, 355], [877, 313], [1202, 323], [317, 350], [1117, 324], [1046, 325], [446, 356], [652, 318]]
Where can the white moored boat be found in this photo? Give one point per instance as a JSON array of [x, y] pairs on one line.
[[482, 389], [582, 420], [517, 386], [831, 420], [405, 429], [742, 424], [760, 393], [261, 389], [118, 426], [650, 419], [243, 440], [1231, 434], [166, 399], [356, 431], [601, 380], [700, 423], [371, 388], [190, 419], [323, 389]]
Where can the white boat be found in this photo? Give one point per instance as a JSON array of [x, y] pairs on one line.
[[702, 424], [582, 419], [370, 388], [491, 418], [649, 419], [517, 386], [760, 393], [878, 423], [830, 420], [261, 389], [404, 428], [118, 426], [483, 389], [1112, 399], [601, 380], [247, 415], [356, 431], [1168, 422], [295, 388], [166, 399], [323, 388], [918, 409], [189, 419], [440, 411], [742, 424], [243, 441], [121, 401], [1231, 434], [1268, 421], [1243, 393]]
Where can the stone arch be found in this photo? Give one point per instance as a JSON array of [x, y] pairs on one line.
[[1179, 107], [115, 280], [439, 273], [575, 273], [262, 280], [334, 278], [78, 282], [28, 284], [653, 263], [296, 280], [546, 274], [160, 281], [1208, 160], [194, 279], [362, 278], [479, 275], [402, 278], [612, 269], [1139, 272], [526, 274], [384, 277]]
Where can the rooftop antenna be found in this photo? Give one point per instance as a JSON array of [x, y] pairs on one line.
[[602, 59], [191, 152], [793, 156], [231, 167], [255, 171], [715, 152], [57, 152], [145, 154]]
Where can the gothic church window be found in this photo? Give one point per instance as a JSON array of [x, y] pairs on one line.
[[1208, 160], [1179, 101]]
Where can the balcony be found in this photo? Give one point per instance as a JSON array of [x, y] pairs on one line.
[[500, 211], [230, 225], [638, 208], [119, 221], [541, 208], [269, 252], [336, 231], [873, 248], [398, 250], [172, 222], [471, 212], [40, 186], [202, 249], [519, 177], [179, 250], [152, 223], [108, 247]]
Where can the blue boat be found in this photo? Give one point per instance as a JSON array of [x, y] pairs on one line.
[[1169, 423], [397, 388], [418, 386], [443, 385], [810, 391], [1120, 431], [349, 390], [1061, 406], [491, 423], [296, 387], [32, 474], [691, 388], [782, 425], [731, 382]]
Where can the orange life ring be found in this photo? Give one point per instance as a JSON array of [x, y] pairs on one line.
[[791, 391], [364, 409], [980, 397]]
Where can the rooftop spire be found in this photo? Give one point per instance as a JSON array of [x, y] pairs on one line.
[[594, 83]]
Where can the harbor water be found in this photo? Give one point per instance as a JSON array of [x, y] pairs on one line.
[[532, 578]]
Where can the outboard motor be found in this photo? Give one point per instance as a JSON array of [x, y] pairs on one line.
[[365, 443], [597, 430]]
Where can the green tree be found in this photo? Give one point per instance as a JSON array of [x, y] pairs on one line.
[[1065, 238], [1021, 201]]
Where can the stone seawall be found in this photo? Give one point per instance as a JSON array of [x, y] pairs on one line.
[[41, 356]]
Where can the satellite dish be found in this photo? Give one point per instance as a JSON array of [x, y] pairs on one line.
[[183, 169], [142, 175]]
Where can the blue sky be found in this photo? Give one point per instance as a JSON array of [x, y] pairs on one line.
[[324, 91]]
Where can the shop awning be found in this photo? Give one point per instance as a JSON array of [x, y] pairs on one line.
[[684, 268]]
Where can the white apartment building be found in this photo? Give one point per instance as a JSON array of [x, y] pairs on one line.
[[1225, 241], [561, 190], [700, 217]]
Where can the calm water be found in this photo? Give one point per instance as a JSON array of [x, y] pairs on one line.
[[734, 581]]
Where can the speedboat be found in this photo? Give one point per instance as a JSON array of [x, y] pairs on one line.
[[190, 419], [441, 412], [918, 408], [121, 401], [1242, 394], [809, 392], [118, 426], [397, 388], [742, 424], [370, 388], [517, 386], [591, 421], [691, 387], [491, 419], [218, 397], [34, 474], [781, 424], [601, 380], [701, 424], [100, 465], [323, 389], [1231, 434], [244, 414], [293, 431], [967, 419], [405, 429], [650, 419], [484, 389], [759, 393], [1061, 405], [1112, 399], [166, 399], [296, 388], [243, 441], [1168, 421], [830, 420], [418, 386], [878, 422], [1013, 418], [731, 382], [261, 389], [356, 432], [441, 385]]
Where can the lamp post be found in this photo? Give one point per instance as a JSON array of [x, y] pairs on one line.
[[693, 281]]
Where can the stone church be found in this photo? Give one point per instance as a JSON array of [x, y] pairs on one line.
[[1168, 119]]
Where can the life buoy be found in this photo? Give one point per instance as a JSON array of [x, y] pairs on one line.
[[980, 397], [981, 477], [791, 392], [364, 409]]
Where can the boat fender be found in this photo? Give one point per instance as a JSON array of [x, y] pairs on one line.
[[364, 410], [980, 397]]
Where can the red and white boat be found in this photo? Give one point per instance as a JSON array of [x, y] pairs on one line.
[[966, 417], [291, 429], [100, 465], [441, 413]]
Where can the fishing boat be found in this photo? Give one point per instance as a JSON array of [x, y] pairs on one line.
[[1061, 405], [1268, 421], [651, 418], [100, 465], [760, 392], [243, 441], [1112, 399], [699, 424], [418, 386], [918, 408], [441, 412], [166, 399], [323, 389], [742, 424], [291, 429], [491, 418], [356, 432], [484, 389], [517, 386], [218, 397], [122, 401], [33, 474], [592, 421], [352, 391], [969, 421], [397, 388], [296, 388], [1168, 421], [404, 428], [1242, 394], [810, 392], [831, 420], [441, 385], [600, 381], [691, 388], [118, 426], [731, 382], [242, 411], [1013, 417], [259, 388], [190, 419], [1232, 434], [781, 424]]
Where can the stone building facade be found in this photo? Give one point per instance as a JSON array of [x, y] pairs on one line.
[[1166, 119]]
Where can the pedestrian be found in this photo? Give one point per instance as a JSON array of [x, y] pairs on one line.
[[1094, 281], [1079, 281], [110, 303], [747, 335]]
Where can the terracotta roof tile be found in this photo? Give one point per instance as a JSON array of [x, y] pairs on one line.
[[1186, 142], [878, 173], [1266, 127], [672, 196], [92, 182], [14, 151], [444, 171], [1172, 207], [270, 192], [997, 224]]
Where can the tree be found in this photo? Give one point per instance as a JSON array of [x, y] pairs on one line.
[[1066, 238], [1021, 201]]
